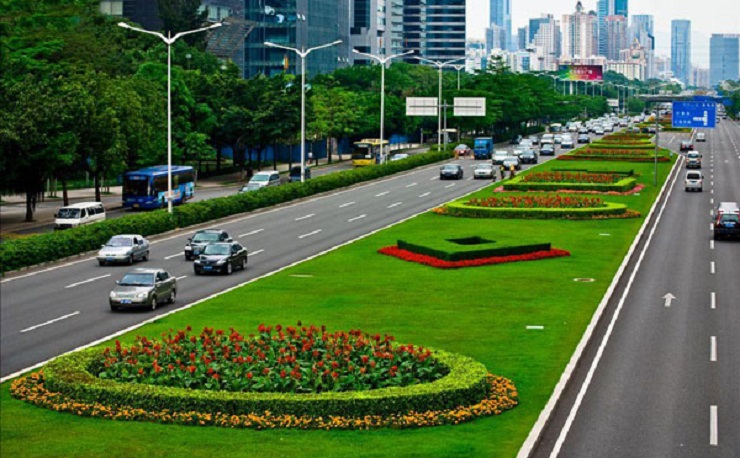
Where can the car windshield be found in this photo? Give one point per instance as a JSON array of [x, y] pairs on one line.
[[69, 213], [137, 279], [693, 176], [461, 147], [484, 166], [260, 178], [216, 249], [450, 167], [119, 241], [206, 237], [730, 218], [693, 155]]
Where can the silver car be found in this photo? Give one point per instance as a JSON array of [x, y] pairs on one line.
[[125, 248], [145, 288], [483, 171]]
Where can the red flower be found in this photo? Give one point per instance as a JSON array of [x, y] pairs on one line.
[[249, 375]]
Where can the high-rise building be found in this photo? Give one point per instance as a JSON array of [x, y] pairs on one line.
[[546, 43], [616, 36], [299, 24], [501, 17], [604, 9], [522, 41], [724, 53], [681, 49], [495, 38], [435, 29], [579, 34], [641, 30], [700, 77], [534, 26], [142, 12], [369, 29]]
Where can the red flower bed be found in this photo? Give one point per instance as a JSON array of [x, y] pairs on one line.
[[442, 264], [537, 201], [571, 177], [634, 190]]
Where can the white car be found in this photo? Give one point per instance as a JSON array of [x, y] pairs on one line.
[[124, 248], [567, 142], [701, 137], [483, 171], [694, 181], [399, 156], [499, 156]]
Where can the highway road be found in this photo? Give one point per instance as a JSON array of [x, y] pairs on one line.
[[53, 310], [662, 378]]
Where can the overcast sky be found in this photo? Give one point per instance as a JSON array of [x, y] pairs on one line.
[[707, 17]]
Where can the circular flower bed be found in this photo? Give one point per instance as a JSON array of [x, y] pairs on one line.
[[372, 381]]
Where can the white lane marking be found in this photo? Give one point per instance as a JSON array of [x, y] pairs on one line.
[[711, 183], [300, 218], [711, 191], [412, 184], [711, 244], [713, 426], [711, 200], [63, 317], [711, 212], [711, 267], [346, 204], [425, 194], [356, 218], [309, 234], [173, 255], [536, 328], [256, 252], [382, 194], [181, 277], [713, 300], [256, 231], [713, 349], [711, 226], [394, 205], [87, 281], [434, 178], [450, 185]]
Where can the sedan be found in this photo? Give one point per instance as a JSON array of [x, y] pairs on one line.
[[399, 156], [528, 157], [512, 161], [483, 171], [201, 239], [566, 143], [125, 248], [547, 150], [463, 150], [535, 139], [221, 257], [143, 288], [584, 139], [453, 171]]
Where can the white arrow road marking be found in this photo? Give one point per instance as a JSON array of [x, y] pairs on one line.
[[87, 281], [309, 234], [394, 205], [63, 317], [256, 231], [346, 205], [304, 217], [668, 299], [356, 218]]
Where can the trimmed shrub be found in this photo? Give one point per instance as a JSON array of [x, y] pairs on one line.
[[518, 183], [451, 252]]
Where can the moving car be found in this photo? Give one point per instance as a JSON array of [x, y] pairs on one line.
[[694, 181], [222, 257], [294, 174], [528, 157], [143, 288], [453, 171], [693, 160], [512, 161], [79, 214], [462, 150], [203, 237], [727, 220], [547, 150], [584, 139], [686, 145], [399, 156], [124, 248], [701, 137], [499, 156], [515, 140], [265, 178], [483, 171], [567, 142], [534, 139]]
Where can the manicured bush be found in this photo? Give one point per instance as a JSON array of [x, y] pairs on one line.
[[598, 182], [432, 261], [448, 251]]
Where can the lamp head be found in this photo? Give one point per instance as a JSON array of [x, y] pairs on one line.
[[124, 25]]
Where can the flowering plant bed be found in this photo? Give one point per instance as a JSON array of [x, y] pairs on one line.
[[548, 200], [582, 181], [594, 211], [501, 396], [432, 261], [570, 177]]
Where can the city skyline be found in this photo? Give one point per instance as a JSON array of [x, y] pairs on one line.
[[715, 16]]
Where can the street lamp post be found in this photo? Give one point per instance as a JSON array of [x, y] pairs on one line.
[[168, 40], [458, 68], [439, 66], [382, 61], [303, 53]]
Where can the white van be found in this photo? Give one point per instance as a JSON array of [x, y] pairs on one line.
[[79, 214], [694, 181], [262, 180]]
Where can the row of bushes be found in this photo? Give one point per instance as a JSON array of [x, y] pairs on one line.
[[465, 384], [23, 252], [465, 255], [459, 209], [618, 158], [627, 173], [621, 145], [518, 184]]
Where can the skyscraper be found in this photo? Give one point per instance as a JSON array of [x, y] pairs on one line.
[[724, 53], [604, 9], [501, 17], [642, 31], [616, 36], [369, 30], [579, 34], [681, 49], [435, 29]]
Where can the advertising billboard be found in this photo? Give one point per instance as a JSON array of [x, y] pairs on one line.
[[581, 72]]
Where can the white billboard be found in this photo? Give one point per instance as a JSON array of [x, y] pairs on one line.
[[421, 106], [470, 106], [613, 103]]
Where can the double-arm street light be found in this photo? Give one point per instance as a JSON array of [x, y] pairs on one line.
[[382, 61], [168, 40], [303, 53], [439, 65]]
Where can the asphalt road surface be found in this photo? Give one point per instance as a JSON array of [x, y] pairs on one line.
[[664, 379]]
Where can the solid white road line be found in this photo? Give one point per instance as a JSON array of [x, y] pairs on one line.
[[309, 234], [356, 218], [382, 194], [63, 317], [713, 349], [87, 281], [535, 328], [713, 426], [711, 267], [300, 218], [394, 205], [425, 194], [256, 231], [713, 300], [346, 204]]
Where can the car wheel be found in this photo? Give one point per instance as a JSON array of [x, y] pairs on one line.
[[113, 308], [229, 268], [173, 296], [130, 259], [146, 256], [102, 263], [196, 270], [153, 303], [244, 263], [187, 258]]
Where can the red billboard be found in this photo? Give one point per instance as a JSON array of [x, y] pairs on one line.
[[581, 72]]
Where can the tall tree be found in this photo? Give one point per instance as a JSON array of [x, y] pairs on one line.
[[183, 15]]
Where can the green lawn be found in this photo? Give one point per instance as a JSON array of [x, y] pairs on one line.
[[481, 312]]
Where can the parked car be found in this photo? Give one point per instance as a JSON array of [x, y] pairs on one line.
[[701, 137], [547, 150], [222, 257], [463, 150], [201, 239], [512, 161], [294, 174], [452, 171], [499, 156], [584, 139], [143, 288], [694, 181], [686, 145], [693, 160], [528, 157], [483, 171], [399, 156], [124, 248]]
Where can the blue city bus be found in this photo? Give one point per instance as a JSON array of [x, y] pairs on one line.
[[147, 188]]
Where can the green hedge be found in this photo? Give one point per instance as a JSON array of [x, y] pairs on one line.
[[466, 384], [461, 209], [610, 145], [516, 184], [23, 252], [449, 253], [615, 158]]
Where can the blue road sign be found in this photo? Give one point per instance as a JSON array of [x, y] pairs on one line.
[[694, 114]]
